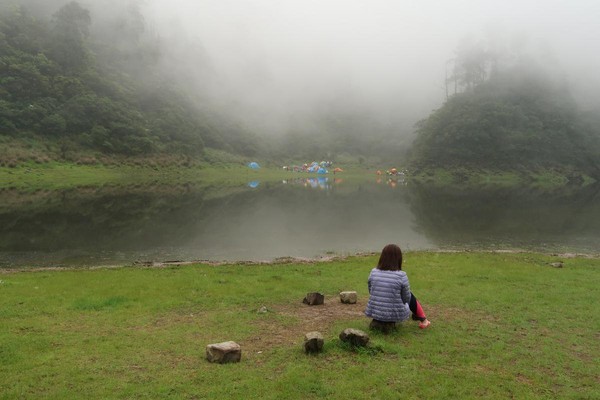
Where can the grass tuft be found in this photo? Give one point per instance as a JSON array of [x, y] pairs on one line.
[[87, 304]]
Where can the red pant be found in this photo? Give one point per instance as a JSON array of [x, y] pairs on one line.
[[416, 309]]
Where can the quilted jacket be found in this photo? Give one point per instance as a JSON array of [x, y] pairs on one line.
[[389, 296]]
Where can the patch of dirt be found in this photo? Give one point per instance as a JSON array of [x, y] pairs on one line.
[[290, 322], [286, 324]]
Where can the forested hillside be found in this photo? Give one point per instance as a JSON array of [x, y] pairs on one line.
[[518, 118], [72, 90]]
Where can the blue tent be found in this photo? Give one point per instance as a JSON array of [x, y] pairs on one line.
[[322, 182], [254, 165], [253, 184], [322, 171]]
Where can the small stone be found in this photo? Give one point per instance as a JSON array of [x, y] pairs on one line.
[[263, 310], [223, 352], [385, 327], [355, 337], [314, 299], [348, 297], [557, 264], [313, 342]]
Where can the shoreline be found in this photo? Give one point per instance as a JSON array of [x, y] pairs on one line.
[[57, 175], [285, 260]]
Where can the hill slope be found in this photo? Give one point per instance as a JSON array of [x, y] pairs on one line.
[[63, 86], [516, 120]]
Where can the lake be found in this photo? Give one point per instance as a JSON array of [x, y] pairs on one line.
[[299, 217]]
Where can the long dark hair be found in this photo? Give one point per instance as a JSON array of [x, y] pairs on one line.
[[390, 258]]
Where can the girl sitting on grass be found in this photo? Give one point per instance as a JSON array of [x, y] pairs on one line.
[[390, 298]]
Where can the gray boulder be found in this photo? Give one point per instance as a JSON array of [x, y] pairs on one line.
[[385, 327], [313, 342], [225, 352], [355, 337], [314, 299], [348, 297]]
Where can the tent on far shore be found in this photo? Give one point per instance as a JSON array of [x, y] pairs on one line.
[[254, 165]]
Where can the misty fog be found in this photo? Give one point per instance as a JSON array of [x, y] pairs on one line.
[[278, 66], [281, 59]]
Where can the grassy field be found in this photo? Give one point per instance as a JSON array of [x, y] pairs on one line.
[[59, 175], [503, 326], [53, 175]]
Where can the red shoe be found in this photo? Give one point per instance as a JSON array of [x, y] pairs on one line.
[[424, 324]]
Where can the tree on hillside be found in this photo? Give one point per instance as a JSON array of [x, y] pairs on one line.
[[472, 65], [519, 118], [69, 34]]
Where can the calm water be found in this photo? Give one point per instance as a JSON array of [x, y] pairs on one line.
[[300, 217]]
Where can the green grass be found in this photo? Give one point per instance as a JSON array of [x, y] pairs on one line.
[[543, 178], [54, 175], [222, 170], [503, 326]]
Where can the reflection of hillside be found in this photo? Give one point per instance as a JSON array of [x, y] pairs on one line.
[[123, 217], [193, 223], [276, 219], [14, 199], [510, 216]]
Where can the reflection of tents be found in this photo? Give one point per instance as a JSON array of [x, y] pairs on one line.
[[253, 184], [254, 165]]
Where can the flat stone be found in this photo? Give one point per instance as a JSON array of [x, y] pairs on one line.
[[348, 297], [557, 264], [225, 352], [385, 327], [355, 337], [313, 342], [314, 299]]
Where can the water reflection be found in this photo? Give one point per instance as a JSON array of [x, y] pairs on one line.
[[393, 182], [99, 226], [312, 182], [525, 217]]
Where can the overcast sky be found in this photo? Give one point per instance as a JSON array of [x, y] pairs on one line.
[[391, 54]]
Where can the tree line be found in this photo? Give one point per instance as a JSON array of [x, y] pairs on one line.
[[515, 116], [61, 83]]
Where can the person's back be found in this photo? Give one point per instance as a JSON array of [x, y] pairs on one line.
[[389, 296]]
